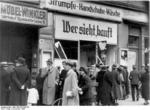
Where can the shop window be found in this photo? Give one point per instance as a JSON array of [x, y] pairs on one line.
[[70, 49], [133, 41], [134, 34]]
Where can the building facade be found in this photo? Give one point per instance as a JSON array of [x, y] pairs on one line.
[[19, 31], [81, 28]]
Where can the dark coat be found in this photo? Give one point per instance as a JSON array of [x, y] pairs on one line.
[[4, 86], [40, 82], [59, 89], [134, 77], [20, 76], [145, 78], [116, 83], [127, 82], [107, 87], [85, 85], [99, 79]]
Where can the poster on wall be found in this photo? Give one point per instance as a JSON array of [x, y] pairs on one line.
[[131, 59], [45, 56], [124, 57]]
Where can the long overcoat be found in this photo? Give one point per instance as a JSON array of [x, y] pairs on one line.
[[107, 87], [99, 79], [145, 80], [71, 84], [116, 84], [4, 86], [20, 76], [85, 85], [49, 85]]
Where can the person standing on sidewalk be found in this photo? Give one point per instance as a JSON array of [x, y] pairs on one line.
[[135, 79], [85, 85], [20, 81], [61, 81], [145, 77], [70, 89], [116, 84], [51, 75]]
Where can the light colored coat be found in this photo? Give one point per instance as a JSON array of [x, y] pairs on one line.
[[71, 84], [49, 86]]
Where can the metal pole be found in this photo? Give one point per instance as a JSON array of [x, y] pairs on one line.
[[78, 53], [96, 50]]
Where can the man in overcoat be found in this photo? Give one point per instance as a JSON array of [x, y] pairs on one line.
[[145, 80], [116, 83], [51, 75], [71, 89], [106, 98], [135, 79], [20, 81], [4, 84]]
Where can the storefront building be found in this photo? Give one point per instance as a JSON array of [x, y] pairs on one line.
[[19, 32], [81, 28]]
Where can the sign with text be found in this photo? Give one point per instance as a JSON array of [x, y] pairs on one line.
[[84, 8], [74, 28], [22, 14]]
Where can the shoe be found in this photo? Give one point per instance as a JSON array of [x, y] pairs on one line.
[[146, 103], [116, 104]]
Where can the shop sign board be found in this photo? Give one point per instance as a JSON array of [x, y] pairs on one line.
[[75, 28], [22, 14], [84, 9]]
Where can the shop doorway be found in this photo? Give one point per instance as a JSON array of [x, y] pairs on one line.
[[17, 40], [87, 53]]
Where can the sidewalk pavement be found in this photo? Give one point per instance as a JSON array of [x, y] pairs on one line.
[[129, 102]]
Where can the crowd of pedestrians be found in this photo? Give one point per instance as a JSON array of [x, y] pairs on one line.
[[101, 86]]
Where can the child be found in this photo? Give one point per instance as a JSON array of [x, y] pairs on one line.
[[33, 95]]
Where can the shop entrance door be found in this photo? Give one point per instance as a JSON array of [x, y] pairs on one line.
[[87, 53], [17, 40]]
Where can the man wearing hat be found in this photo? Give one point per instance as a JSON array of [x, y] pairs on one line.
[[116, 83], [135, 79], [51, 75], [4, 83], [71, 89], [20, 81], [99, 80]]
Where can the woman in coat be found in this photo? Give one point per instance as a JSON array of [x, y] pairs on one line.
[[20, 81], [71, 89], [85, 85], [99, 80], [145, 78], [51, 75]]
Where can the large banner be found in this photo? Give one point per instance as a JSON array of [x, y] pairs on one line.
[[75, 28], [84, 8], [22, 14]]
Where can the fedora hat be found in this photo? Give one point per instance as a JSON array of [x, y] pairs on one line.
[[69, 63], [20, 60]]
